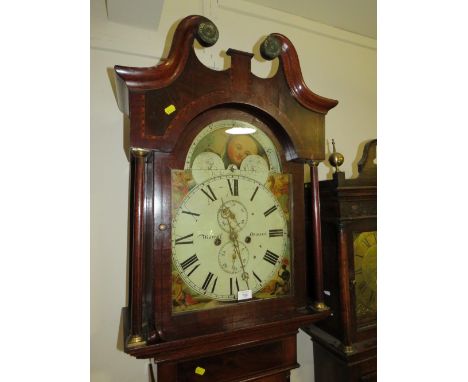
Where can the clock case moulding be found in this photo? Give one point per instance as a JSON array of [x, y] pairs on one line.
[[167, 106]]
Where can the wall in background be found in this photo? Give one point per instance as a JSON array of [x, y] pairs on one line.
[[335, 64]]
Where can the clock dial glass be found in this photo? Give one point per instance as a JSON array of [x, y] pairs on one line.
[[231, 221], [365, 272]]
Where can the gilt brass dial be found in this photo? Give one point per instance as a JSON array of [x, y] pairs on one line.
[[365, 272]]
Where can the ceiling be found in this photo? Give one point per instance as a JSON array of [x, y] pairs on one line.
[[139, 13], [357, 16]]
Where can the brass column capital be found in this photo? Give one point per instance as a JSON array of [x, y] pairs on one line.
[[314, 162], [139, 152]]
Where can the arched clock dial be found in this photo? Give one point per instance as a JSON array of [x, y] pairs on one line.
[[250, 150], [229, 234]]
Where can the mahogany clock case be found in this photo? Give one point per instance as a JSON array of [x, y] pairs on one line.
[[236, 315], [168, 106]]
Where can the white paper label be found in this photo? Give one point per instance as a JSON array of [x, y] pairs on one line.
[[327, 292], [244, 294]]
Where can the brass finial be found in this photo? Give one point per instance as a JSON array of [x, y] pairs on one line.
[[335, 159], [270, 48], [207, 34]]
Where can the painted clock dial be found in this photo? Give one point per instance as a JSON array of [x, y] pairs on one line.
[[230, 234], [231, 219]]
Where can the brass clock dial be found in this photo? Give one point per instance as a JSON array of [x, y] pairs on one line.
[[365, 272]]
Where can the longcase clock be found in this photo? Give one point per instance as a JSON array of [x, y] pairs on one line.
[[345, 344], [218, 255]]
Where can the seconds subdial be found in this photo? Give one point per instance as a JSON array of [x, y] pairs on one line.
[[229, 260], [232, 216]]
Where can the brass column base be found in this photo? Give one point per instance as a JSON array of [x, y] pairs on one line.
[[135, 341], [347, 349], [320, 306]]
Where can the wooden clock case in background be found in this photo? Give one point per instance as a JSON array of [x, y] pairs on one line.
[[345, 344], [168, 105]]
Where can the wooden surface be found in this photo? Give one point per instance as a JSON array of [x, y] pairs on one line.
[[263, 361], [314, 230], [296, 113], [137, 208], [292, 116], [331, 364]]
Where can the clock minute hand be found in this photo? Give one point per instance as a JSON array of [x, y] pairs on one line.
[[237, 250], [233, 238]]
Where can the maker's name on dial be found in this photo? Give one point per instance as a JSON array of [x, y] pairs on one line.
[[257, 234], [209, 237]]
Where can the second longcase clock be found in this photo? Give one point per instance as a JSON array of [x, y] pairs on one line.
[[345, 344]]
